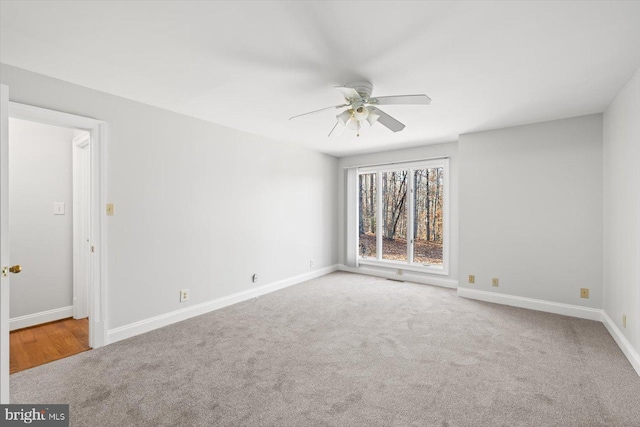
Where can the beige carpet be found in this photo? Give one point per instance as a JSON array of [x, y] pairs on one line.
[[350, 350]]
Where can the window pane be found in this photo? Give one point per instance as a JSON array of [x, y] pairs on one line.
[[427, 226], [367, 215], [394, 214]]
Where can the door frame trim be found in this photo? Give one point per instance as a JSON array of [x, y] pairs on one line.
[[5, 281], [98, 277], [81, 147]]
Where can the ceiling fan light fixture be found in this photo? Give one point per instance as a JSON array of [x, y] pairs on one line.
[[361, 113], [372, 118], [344, 117], [354, 125]]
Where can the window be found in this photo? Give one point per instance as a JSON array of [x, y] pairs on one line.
[[367, 212], [402, 215]]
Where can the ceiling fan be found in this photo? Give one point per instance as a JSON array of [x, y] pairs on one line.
[[362, 107]]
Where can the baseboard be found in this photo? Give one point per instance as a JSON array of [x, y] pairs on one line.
[[407, 276], [133, 329], [39, 318], [533, 304], [632, 354]]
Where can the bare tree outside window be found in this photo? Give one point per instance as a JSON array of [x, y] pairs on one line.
[[394, 215], [367, 213], [427, 218], [419, 189]]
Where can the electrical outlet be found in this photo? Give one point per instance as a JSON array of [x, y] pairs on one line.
[[624, 320], [399, 272], [584, 293], [184, 295], [311, 263], [494, 281], [472, 278], [254, 278]]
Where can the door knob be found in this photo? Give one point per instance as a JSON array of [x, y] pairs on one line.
[[15, 269]]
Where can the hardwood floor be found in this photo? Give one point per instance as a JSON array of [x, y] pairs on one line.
[[45, 343]]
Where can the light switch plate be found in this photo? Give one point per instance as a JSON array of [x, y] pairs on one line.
[[58, 208], [111, 209]]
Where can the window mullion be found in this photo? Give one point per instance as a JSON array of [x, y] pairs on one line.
[[410, 214], [379, 215]]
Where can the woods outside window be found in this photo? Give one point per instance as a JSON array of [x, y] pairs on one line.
[[402, 215]]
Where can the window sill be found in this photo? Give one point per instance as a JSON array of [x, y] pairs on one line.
[[440, 270]]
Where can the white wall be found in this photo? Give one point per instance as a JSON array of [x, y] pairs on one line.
[[40, 174], [197, 205], [425, 152], [531, 210], [622, 210]]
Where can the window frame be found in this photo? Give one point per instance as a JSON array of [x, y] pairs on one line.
[[410, 167]]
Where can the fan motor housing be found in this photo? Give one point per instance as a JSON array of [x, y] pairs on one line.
[[365, 89]]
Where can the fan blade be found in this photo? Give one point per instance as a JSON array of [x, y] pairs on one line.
[[401, 100], [388, 121], [317, 111], [349, 93], [333, 128], [337, 130]]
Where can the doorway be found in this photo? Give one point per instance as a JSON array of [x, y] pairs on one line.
[[49, 174], [88, 143]]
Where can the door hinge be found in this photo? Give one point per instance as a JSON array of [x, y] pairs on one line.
[[93, 248]]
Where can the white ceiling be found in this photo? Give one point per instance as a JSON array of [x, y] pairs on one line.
[[252, 65]]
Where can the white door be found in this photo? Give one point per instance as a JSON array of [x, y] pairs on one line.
[[81, 225], [4, 244]]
